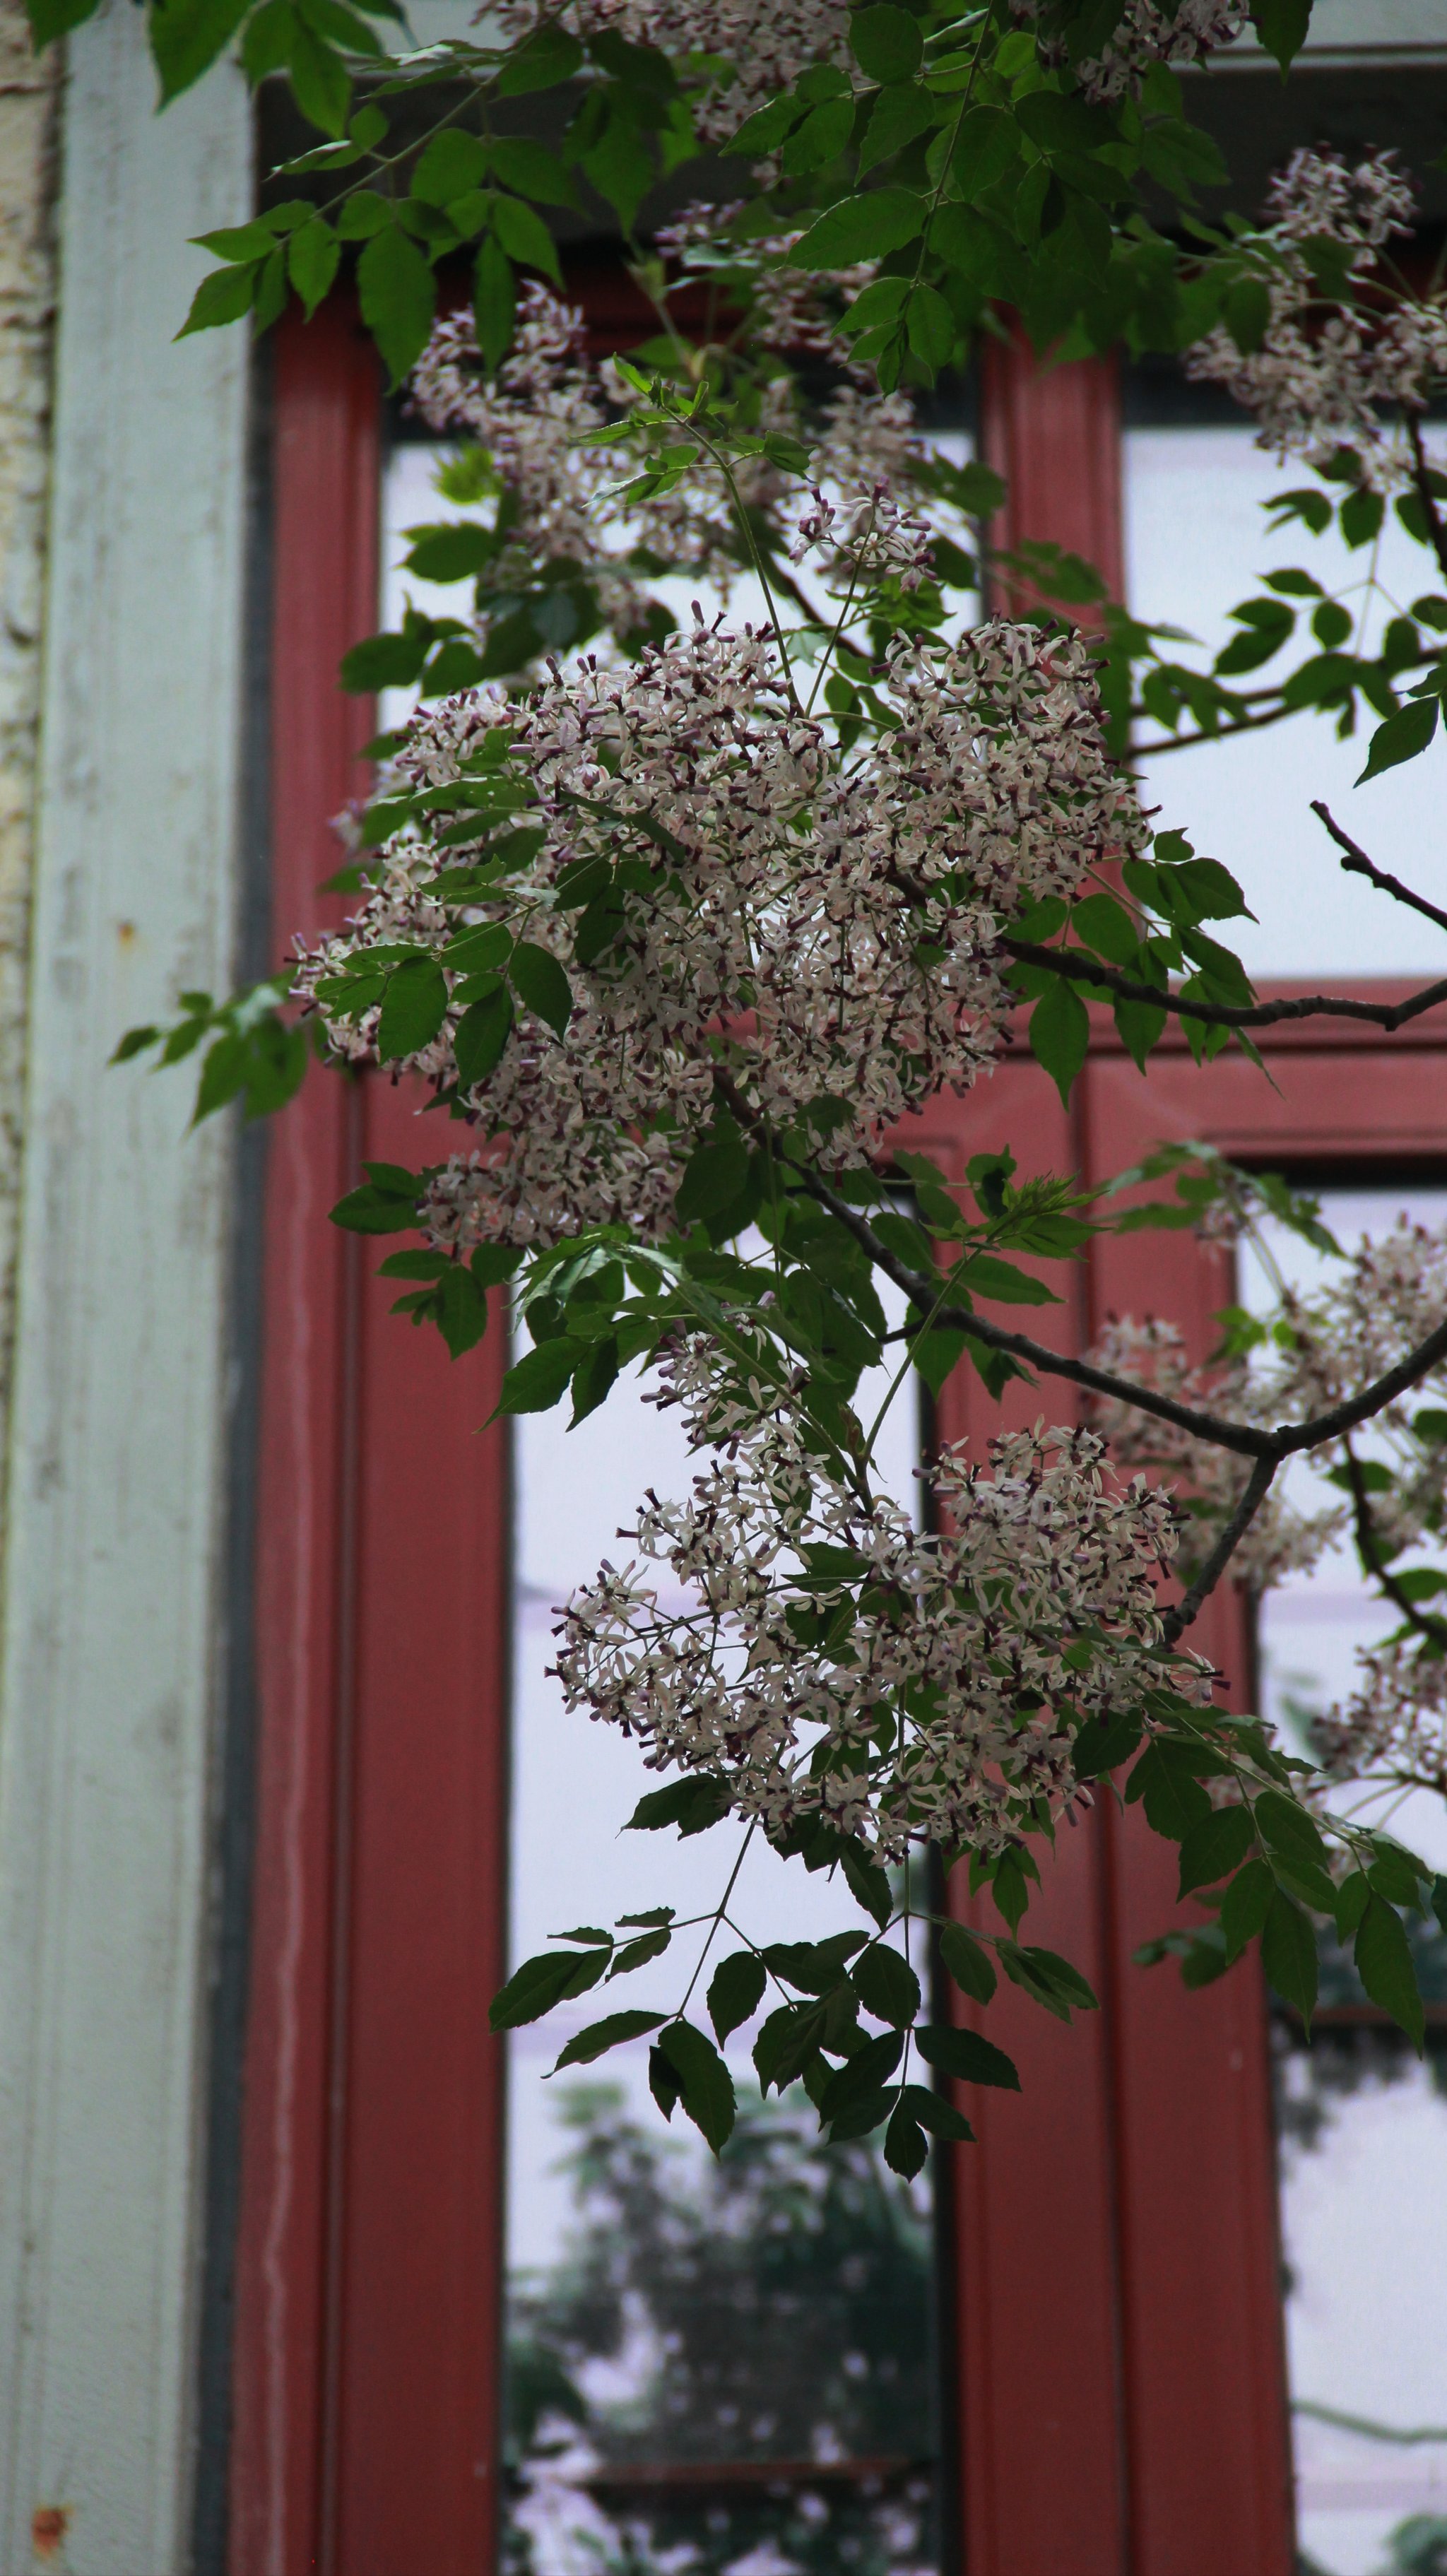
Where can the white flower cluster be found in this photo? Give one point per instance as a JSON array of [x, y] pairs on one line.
[[871, 540], [1330, 369], [793, 310], [761, 46], [943, 1706], [1282, 1539], [548, 394], [820, 932], [1363, 203], [1392, 1732], [1386, 1299], [1148, 33]]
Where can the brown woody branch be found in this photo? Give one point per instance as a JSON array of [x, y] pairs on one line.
[[1373, 1563], [1244, 1438], [1257, 1487], [1355, 863], [1225, 1015]]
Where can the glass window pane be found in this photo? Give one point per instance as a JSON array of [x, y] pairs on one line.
[[1197, 543], [713, 2366], [1362, 2122]]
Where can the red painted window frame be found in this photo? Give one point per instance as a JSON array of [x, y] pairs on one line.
[[368, 2269], [1121, 2397]]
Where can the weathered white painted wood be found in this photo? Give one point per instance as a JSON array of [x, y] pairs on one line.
[[117, 1461]]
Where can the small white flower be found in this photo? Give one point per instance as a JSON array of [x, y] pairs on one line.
[[1328, 373], [947, 1708], [818, 930]]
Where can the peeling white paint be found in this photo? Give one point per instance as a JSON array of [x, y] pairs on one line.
[[118, 1430]]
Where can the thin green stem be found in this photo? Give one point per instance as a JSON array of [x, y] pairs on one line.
[[720, 1913]]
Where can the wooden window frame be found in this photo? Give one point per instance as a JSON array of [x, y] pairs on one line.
[[1120, 2386]]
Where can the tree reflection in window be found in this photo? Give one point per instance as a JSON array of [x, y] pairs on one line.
[[730, 2366], [1355, 2059]]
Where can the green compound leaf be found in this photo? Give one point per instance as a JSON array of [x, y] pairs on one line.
[[531, 169], [553, 1977], [905, 2143], [1048, 1979], [968, 1962], [1383, 1956], [321, 83], [593, 1378], [693, 1804], [397, 290], [861, 2077], [899, 115], [1214, 1847], [1245, 1906], [481, 1034], [542, 985], [714, 1175], [413, 1008], [312, 258], [965, 2055], [52, 18], [862, 227], [736, 1992], [612, 2032], [451, 163], [1288, 1954], [1282, 27], [494, 299], [222, 297], [887, 1985], [544, 58], [705, 2086], [537, 1381], [386, 1204], [186, 37], [936, 2114], [886, 43], [1060, 1035], [525, 237], [1402, 737]]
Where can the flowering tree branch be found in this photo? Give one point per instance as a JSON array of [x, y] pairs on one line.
[[1105, 979], [1247, 1440], [680, 943]]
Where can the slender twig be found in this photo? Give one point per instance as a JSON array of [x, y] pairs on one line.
[[1254, 1493], [1367, 2425], [760, 568], [1422, 479], [720, 1914], [1374, 1564], [1244, 1438], [1271, 714], [1151, 750], [1225, 1015], [1355, 863]]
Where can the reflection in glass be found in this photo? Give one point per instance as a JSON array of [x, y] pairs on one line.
[[1361, 2121], [1362, 2129], [711, 2367], [728, 2366], [1197, 541]]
